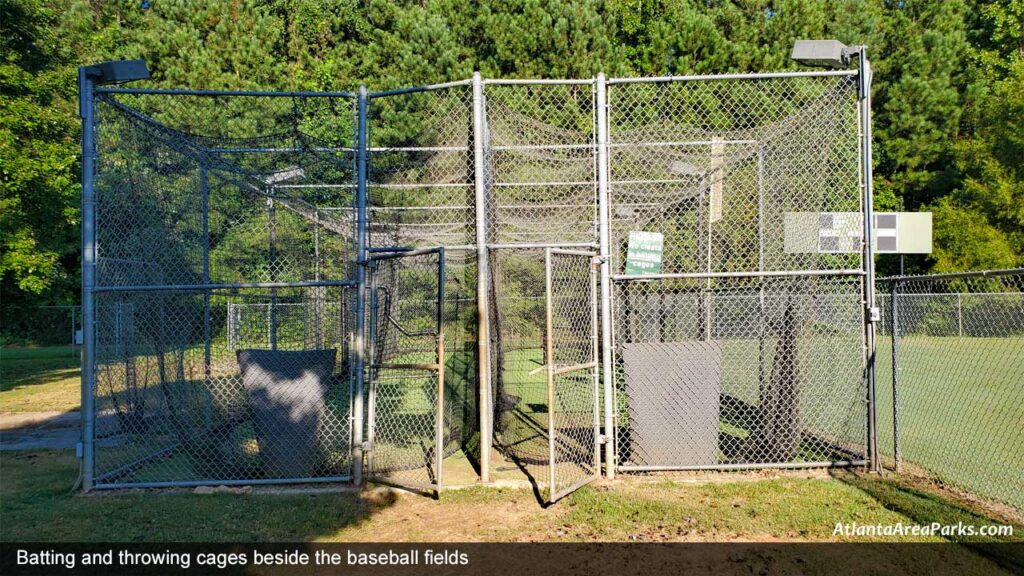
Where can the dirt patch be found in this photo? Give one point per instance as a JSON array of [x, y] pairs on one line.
[[402, 516]]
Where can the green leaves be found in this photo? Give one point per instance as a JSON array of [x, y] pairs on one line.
[[949, 86]]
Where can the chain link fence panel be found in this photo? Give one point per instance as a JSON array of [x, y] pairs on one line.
[[41, 326], [412, 427], [208, 208], [421, 195], [956, 342], [740, 351], [572, 370]]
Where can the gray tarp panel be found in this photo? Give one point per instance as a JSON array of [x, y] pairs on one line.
[[286, 391], [673, 390]]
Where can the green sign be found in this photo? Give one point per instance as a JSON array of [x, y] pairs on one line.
[[643, 256]]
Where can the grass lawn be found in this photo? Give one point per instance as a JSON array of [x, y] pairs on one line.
[[36, 505], [960, 402], [961, 411], [39, 379]]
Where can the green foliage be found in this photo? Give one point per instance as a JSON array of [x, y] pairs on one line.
[[38, 154], [949, 87]]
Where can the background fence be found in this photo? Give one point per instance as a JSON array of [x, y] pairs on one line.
[[952, 352], [41, 326]]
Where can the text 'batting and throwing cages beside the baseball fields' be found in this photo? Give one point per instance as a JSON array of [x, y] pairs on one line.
[[295, 286]]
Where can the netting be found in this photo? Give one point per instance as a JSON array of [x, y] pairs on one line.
[[957, 343], [717, 362], [233, 318], [209, 207]]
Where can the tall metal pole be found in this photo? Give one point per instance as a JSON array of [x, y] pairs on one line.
[[894, 330], [272, 239], [606, 272], [483, 272], [439, 428], [549, 360], [361, 240], [86, 111], [760, 268], [871, 310]]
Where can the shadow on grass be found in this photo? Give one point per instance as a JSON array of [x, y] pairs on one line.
[[20, 367], [929, 507], [36, 504], [39, 378]]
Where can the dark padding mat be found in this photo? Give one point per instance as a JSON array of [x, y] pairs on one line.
[[674, 395], [287, 391]]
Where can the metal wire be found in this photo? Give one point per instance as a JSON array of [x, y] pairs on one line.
[[738, 352], [953, 345], [228, 224]]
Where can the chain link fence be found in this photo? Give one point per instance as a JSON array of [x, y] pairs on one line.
[[421, 194], [951, 392], [221, 303], [739, 350], [539, 152], [412, 427], [265, 254], [41, 326], [571, 362]]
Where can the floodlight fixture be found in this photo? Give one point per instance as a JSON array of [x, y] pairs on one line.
[[117, 71], [824, 53]]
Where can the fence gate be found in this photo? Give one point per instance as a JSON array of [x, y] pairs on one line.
[[407, 428], [571, 362]]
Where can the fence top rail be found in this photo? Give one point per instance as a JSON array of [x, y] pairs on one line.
[[954, 275], [192, 92], [424, 88], [469, 81], [948, 294], [739, 76], [539, 81]]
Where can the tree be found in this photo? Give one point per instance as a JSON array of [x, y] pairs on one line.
[[39, 165]]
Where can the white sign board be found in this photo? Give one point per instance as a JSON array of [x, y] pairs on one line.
[[842, 232]]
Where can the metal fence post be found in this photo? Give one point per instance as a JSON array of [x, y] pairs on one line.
[[204, 191], [86, 110], [871, 311], [959, 315], [606, 289], [439, 425], [483, 271], [361, 241], [894, 330], [549, 360]]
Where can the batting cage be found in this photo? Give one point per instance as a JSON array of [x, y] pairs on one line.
[[626, 275]]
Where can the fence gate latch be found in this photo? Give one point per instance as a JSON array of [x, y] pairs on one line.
[[79, 451]]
